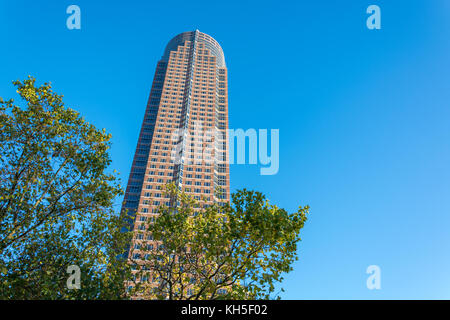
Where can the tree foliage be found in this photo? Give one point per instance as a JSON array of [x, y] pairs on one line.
[[237, 251], [56, 202], [56, 210]]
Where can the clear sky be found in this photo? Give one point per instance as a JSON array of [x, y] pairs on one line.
[[363, 116]]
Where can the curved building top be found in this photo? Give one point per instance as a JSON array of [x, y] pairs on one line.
[[210, 43]]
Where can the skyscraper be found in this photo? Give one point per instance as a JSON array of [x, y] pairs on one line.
[[183, 138]]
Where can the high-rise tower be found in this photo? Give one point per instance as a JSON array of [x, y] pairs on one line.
[[183, 138]]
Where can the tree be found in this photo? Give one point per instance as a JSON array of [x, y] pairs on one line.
[[237, 251], [56, 202]]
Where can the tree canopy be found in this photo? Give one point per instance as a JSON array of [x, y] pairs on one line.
[[56, 201], [57, 198], [236, 251]]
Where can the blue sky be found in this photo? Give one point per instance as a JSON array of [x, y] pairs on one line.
[[363, 116]]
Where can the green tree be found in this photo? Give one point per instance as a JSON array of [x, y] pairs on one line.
[[237, 251], [56, 202]]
